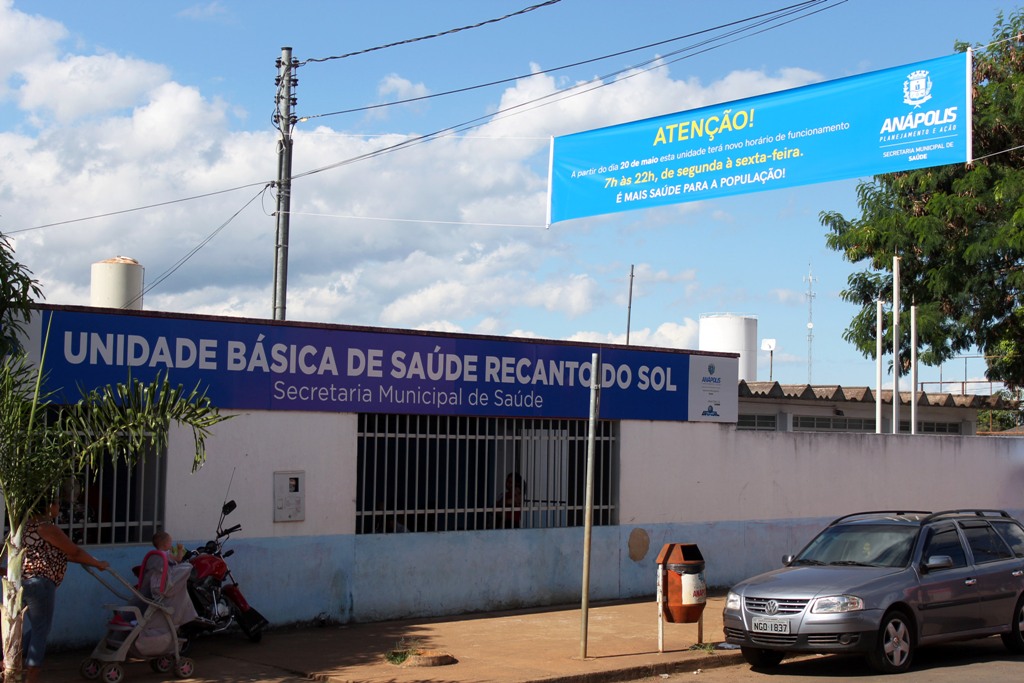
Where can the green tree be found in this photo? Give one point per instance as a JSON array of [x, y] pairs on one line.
[[42, 444], [958, 230], [1001, 420], [18, 291]]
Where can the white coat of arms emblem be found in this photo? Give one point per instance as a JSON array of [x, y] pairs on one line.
[[917, 89]]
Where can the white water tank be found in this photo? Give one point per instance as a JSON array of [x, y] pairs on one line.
[[117, 283], [731, 333]]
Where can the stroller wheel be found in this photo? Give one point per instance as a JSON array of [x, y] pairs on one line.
[[90, 668], [162, 664], [112, 673], [185, 668]]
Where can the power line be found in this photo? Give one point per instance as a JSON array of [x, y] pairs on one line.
[[558, 68], [194, 250], [571, 91], [138, 208], [472, 123], [434, 35]]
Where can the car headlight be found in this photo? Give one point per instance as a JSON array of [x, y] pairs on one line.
[[835, 604], [732, 601]]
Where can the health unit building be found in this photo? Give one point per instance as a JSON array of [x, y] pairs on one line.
[[383, 474]]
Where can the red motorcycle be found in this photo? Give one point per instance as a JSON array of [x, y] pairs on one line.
[[215, 593]]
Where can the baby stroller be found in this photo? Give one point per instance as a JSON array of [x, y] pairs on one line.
[[144, 625]]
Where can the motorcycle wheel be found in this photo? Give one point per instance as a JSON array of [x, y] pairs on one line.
[[254, 634], [252, 631]]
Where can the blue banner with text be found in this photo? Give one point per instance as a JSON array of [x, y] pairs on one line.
[[250, 365], [897, 119]]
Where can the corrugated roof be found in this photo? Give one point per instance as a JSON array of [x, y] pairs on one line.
[[836, 393]]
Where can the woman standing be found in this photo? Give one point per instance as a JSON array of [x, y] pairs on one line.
[[47, 552]]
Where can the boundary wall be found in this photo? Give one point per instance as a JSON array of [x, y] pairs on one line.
[[746, 498]]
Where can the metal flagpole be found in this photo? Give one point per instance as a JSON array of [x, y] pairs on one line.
[[895, 344], [588, 525]]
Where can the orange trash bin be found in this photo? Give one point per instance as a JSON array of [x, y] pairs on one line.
[[684, 589]]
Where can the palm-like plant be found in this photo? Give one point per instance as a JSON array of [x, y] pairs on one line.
[[41, 445]]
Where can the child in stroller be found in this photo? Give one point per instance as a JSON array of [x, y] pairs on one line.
[[145, 625]]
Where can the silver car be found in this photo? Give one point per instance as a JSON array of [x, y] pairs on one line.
[[884, 583]]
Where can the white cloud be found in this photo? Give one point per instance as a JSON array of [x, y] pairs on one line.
[[787, 296], [394, 86], [668, 335], [25, 40], [446, 235], [78, 86], [205, 11]]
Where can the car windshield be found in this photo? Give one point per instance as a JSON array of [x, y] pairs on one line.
[[882, 545]]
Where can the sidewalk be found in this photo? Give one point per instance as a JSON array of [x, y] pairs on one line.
[[517, 646]]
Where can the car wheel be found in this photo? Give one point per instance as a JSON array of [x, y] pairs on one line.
[[1014, 640], [894, 648], [760, 658]]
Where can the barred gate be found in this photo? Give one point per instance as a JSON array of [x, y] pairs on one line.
[[445, 473]]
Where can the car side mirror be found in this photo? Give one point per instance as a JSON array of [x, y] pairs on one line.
[[787, 560], [938, 562]]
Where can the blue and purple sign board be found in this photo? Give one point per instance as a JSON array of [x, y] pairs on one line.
[[254, 365], [898, 119]]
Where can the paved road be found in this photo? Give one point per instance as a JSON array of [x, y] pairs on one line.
[[980, 661]]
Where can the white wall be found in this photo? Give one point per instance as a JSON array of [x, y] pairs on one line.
[[244, 452], [745, 498], [717, 473]]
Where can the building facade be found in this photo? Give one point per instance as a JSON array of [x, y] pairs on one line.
[[384, 474]]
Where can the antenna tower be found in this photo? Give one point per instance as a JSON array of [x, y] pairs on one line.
[[810, 280]]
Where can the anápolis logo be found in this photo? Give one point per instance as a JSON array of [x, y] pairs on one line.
[[710, 377], [917, 89], [710, 412]]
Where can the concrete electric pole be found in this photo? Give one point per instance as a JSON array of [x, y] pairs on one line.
[[284, 119]]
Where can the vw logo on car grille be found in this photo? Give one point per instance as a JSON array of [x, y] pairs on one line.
[[771, 607]]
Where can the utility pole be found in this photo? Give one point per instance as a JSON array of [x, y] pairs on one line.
[[284, 119], [629, 305]]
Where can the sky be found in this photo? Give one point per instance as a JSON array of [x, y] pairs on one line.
[[145, 130]]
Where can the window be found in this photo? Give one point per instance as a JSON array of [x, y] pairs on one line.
[[115, 504], [883, 545], [946, 541], [1012, 533], [445, 473], [119, 504], [757, 423], [832, 423], [986, 545], [931, 427]]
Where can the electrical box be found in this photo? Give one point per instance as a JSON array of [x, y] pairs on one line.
[[290, 496]]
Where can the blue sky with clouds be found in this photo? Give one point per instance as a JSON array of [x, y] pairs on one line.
[[110, 106]]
